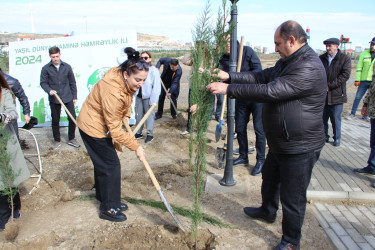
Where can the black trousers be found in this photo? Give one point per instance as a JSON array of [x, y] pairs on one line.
[[161, 103], [286, 178], [107, 170], [55, 113], [5, 210], [242, 117]]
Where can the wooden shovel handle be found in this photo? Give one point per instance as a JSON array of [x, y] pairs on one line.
[[145, 163], [144, 118], [66, 110]]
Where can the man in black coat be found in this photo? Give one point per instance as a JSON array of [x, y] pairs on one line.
[[293, 94], [171, 77], [338, 67], [57, 77], [243, 110], [18, 91]]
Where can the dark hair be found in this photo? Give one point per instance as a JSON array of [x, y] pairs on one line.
[[54, 50], [292, 28], [134, 62], [4, 84], [174, 62], [149, 54]]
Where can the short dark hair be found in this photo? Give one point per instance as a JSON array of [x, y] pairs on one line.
[[54, 50], [292, 28], [174, 62]]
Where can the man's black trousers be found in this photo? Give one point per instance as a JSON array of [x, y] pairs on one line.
[[55, 114], [286, 178]]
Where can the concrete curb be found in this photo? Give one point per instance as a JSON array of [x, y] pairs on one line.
[[340, 195]]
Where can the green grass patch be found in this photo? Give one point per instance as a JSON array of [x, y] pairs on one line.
[[179, 210]]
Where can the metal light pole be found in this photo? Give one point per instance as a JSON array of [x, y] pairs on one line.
[[228, 171]]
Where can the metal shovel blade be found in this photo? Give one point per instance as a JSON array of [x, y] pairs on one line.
[[219, 128], [181, 120], [220, 157], [170, 209]]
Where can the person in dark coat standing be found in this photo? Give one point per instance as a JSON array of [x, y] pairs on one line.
[[293, 94], [338, 67], [171, 77], [57, 77], [243, 110]]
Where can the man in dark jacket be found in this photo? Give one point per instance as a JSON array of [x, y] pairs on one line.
[[243, 110], [338, 67], [171, 77], [57, 77], [293, 94], [18, 91]]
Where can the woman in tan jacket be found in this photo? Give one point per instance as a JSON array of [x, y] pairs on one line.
[[100, 126]]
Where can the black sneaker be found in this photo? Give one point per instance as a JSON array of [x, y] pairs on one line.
[[258, 213], [112, 215], [149, 138], [286, 246], [157, 117], [365, 170], [123, 207], [240, 162], [16, 214], [138, 136]]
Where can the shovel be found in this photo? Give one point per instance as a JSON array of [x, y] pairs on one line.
[[219, 127], [144, 118], [157, 186], [180, 117], [65, 108]]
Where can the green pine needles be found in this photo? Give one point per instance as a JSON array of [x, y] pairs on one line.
[[7, 175], [210, 44]]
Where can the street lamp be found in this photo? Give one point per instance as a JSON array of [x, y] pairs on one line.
[[228, 171]]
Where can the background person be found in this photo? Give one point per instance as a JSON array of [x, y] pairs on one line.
[[338, 67], [363, 76], [368, 109], [103, 111], [57, 77], [293, 94], [146, 96], [8, 114], [18, 91], [171, 77], [243, 110]]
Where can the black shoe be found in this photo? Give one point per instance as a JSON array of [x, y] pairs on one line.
[[258, 168], [258, 213], [174, 117], [336, 143], [240, 162], [157, 117], [149, 138], [286, 246], [112, 215], [327, 139], [123, 207], [16, 214], [365, 170], [138, 136]]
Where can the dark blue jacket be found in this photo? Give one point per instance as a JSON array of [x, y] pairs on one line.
[[250, 60], [63, 81], [18, 91], [172, 83]]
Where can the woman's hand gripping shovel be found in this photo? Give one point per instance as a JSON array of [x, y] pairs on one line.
[[156, 184]]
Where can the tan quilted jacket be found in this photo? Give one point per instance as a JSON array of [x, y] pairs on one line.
[[102, 112]]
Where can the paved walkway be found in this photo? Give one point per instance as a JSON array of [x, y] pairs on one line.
[[348, 226]]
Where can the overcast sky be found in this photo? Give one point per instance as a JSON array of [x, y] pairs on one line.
[[257, 19]]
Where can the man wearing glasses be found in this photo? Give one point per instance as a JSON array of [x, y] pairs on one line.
[[171, 77]]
